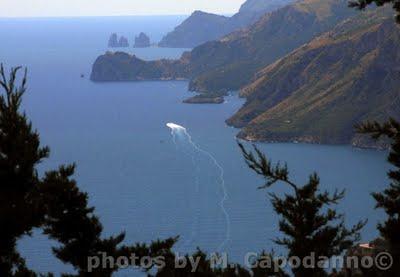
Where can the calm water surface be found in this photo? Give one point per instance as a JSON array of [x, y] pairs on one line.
[[141, 181]]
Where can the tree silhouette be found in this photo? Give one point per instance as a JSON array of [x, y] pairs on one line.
[[71, 222], [389, 199], [20, 153], [53, 203], [310, 225]]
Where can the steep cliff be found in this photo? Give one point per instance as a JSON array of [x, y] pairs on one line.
[[320, 91]]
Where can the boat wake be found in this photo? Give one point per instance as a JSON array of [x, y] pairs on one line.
[[178, 130]]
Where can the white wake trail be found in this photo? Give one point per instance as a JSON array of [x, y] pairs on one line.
[[178, 128], [197, 211]]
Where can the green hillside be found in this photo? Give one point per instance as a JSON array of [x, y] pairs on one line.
[[318, 92]]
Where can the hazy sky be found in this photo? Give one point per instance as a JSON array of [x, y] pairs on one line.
[[34, 8]]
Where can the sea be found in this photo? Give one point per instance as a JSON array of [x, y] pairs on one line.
[[147, 179]]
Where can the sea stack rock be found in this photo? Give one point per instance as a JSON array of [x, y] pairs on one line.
[[142, 41], [114, 42], [123, 42]]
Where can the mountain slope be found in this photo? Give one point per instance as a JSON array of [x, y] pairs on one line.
[[320, 91], [233, 60], [257, 6], [196, 29], [201, 27]]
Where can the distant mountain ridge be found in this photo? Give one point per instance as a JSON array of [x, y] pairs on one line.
[[201, 27], [320, 91], [195, 30], [231, 62]]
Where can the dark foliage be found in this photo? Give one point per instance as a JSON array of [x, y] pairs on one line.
[[20, 153], [310, 225], [362, 4], [389, 199], [53, 203]]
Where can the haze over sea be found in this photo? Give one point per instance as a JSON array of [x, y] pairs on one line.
[[137, 178]]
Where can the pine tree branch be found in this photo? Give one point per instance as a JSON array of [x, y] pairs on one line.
[[262, 166]]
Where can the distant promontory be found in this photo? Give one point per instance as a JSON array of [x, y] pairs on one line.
[[120, 66], [201, 27]]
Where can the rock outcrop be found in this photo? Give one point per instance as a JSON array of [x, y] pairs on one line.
[[123, 42], [114, 42], [142, 41]]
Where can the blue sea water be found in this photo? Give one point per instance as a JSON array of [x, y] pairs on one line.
[[140, 179]]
